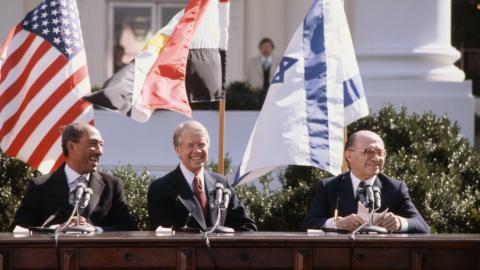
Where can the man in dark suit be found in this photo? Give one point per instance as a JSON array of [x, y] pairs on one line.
[[365, 154], [186, 195], [47, 195]]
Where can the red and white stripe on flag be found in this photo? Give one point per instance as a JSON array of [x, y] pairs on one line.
[[43, 75]]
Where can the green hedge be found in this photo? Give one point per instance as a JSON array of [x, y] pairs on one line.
[[14, 176], [440, 167]]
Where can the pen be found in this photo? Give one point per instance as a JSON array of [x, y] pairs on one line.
[[335, 212]]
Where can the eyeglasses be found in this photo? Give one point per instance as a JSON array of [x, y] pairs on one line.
[[370, 152]]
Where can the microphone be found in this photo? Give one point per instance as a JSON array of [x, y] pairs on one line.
[[218, 194], [87, 195], [224, 205], [370, 197], [376, 195], [226, 198], [77, 193]]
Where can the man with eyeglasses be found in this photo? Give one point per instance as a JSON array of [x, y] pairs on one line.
[[365, 154]]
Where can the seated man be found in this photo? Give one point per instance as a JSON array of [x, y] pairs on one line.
[[186, 195], [365, 154], [47, 195]]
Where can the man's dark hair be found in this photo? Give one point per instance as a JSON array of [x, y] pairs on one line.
[[266, 40], [72, 132]]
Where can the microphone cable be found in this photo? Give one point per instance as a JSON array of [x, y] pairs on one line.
[[207, 241], [210, 250]]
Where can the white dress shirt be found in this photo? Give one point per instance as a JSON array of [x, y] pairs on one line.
[[72, 176], [190, 175]]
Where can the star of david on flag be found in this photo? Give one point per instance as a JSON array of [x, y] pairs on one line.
[[315, 93]]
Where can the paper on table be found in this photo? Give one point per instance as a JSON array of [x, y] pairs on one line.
[[163, 231], [363, 213], [20, 229]]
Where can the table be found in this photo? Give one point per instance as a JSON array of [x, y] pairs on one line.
[[262, 250]]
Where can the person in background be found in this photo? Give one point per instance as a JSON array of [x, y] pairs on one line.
[[260, 69]]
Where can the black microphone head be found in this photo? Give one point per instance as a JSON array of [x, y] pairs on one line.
[[227, 193], [218, 193], [87, 195], [369, 195], [377, 197], [77, 193]]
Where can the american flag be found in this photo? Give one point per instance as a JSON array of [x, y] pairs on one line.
[[43, 75]]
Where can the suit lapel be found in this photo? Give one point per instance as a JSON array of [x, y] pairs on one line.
[[348, 203], [188, 198], [210, 182], [384, 199], [96, 184], [59, 187]]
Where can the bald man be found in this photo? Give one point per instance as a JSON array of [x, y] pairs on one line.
[[365, 154], [46, 195]]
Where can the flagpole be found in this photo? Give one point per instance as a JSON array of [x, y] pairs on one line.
[[344, 163], [221, 133]]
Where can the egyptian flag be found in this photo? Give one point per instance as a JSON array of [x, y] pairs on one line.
[[205, 76], [157, 77]]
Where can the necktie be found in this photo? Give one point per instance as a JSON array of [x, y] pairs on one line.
[[200, 194], [80, 179], [361, 193]]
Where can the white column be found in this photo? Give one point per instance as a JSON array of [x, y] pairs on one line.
[[406, 58], [406, 39]]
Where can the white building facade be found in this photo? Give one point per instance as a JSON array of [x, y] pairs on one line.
[[403, 47]]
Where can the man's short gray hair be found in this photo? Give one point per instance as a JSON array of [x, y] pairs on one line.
[[189, 125]]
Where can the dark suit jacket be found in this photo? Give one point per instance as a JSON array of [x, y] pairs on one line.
[[394, 196], [48, 193], [170, 200]]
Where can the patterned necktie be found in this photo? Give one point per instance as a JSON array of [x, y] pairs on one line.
[[80, 179], [200, 194]]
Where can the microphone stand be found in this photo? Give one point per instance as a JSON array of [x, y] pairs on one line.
[[216, 227], [368, 227], [223, 205], [77, 228]]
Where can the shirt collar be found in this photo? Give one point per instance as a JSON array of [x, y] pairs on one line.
[[356, 181], [267, 59], [73, 175], [190, 175]]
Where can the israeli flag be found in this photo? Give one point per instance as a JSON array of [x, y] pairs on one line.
[[315, 93]]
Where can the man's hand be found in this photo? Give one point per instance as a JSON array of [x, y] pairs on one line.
[[350, 222], [390, 222], [81, 221]]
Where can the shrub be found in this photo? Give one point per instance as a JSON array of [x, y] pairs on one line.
[[14, 176], [439, 166], [240, 96], [136, 189]]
